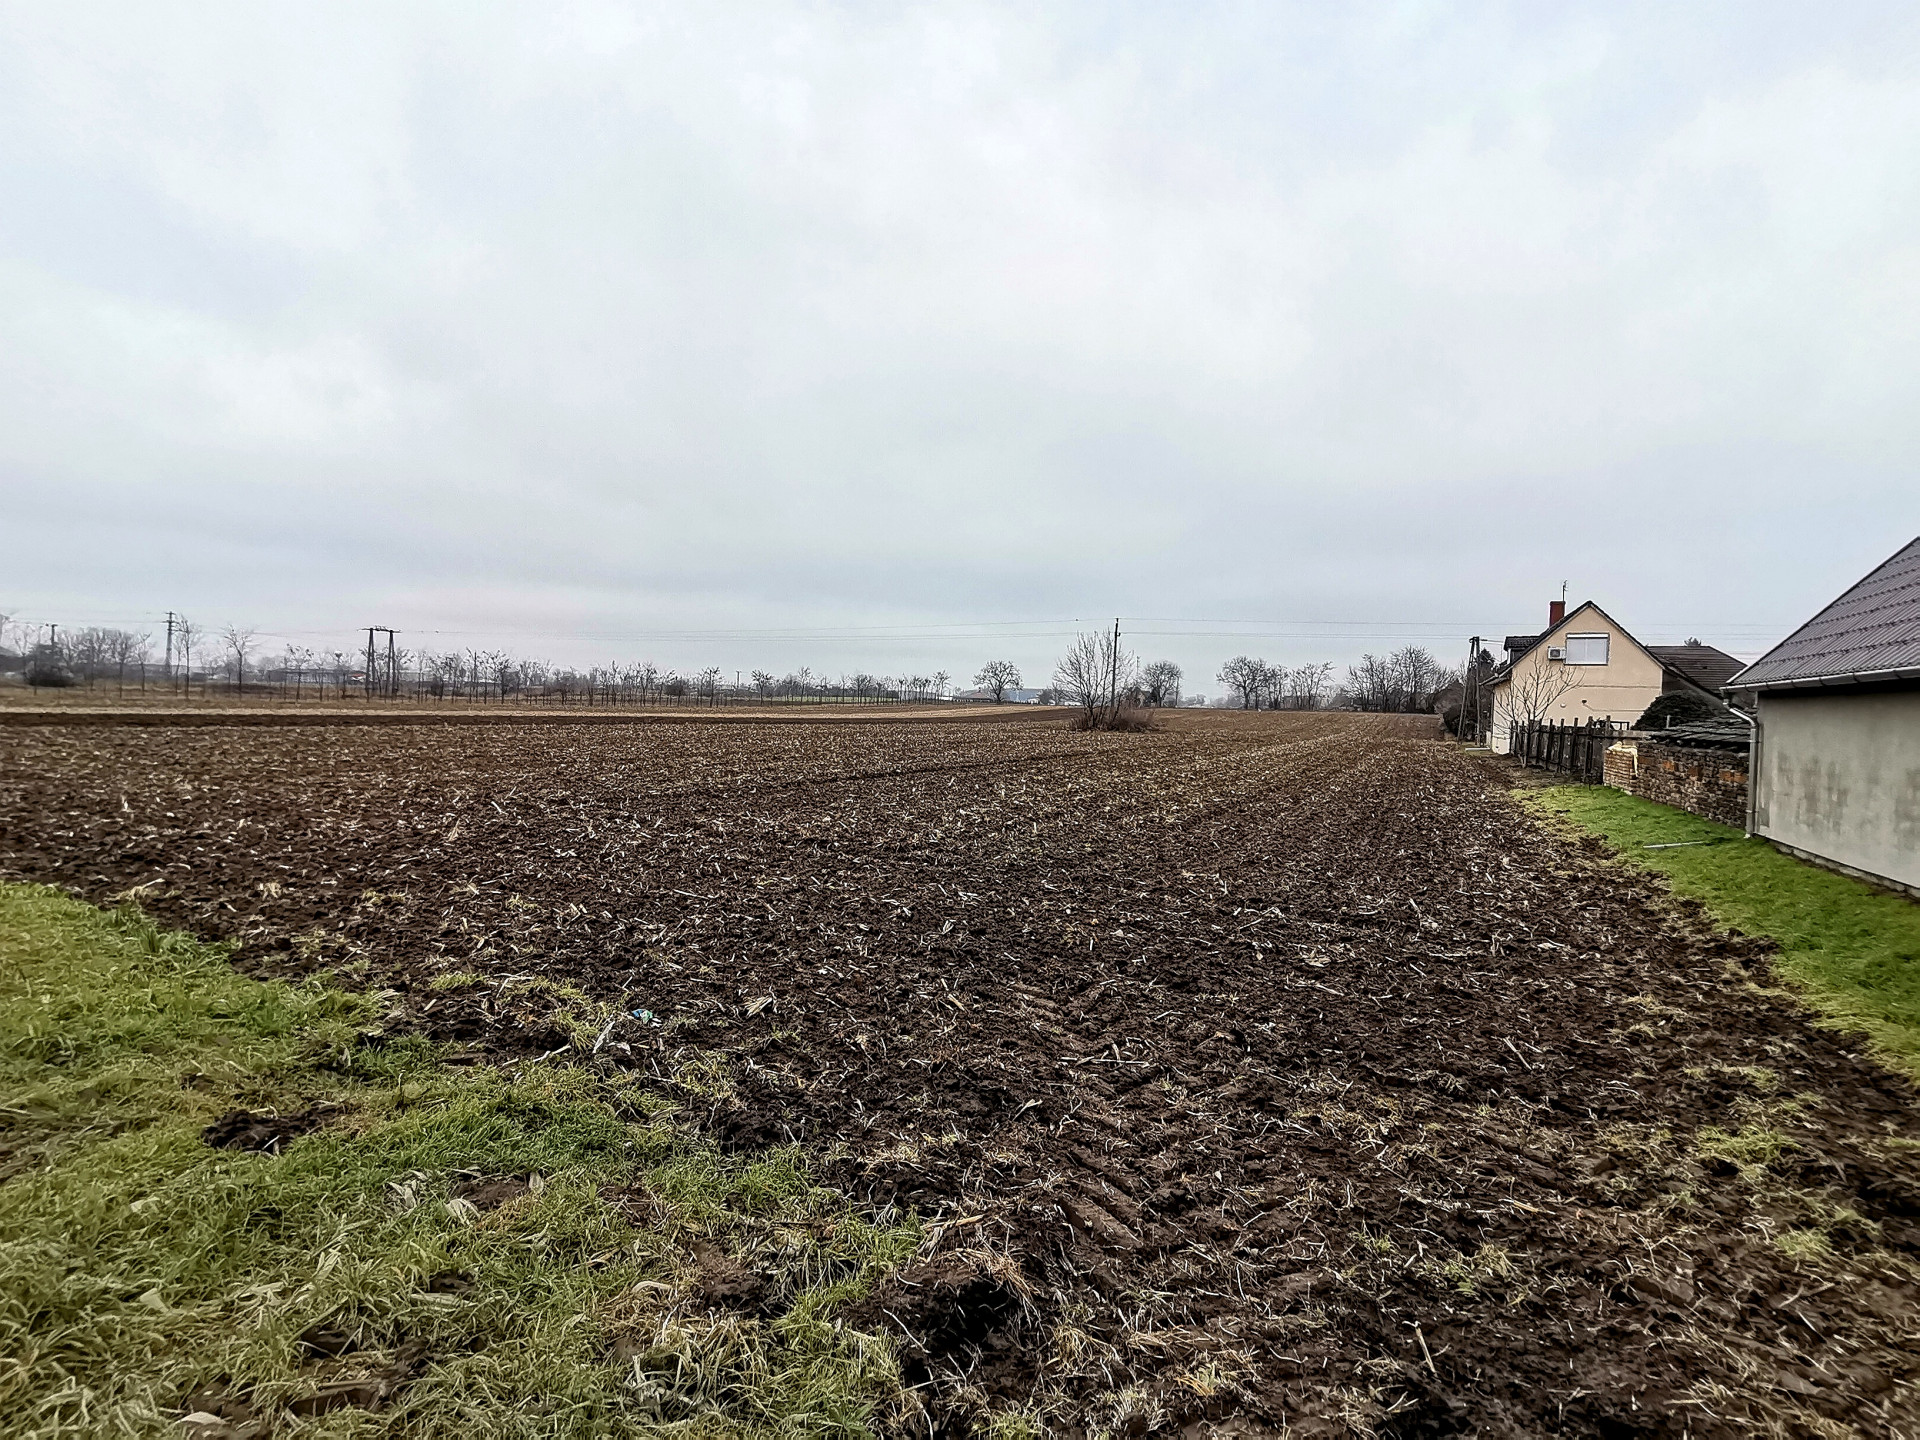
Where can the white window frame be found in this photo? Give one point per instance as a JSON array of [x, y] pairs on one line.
[[1574, 647]]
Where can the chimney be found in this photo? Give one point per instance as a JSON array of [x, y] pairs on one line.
[[1556, 612]]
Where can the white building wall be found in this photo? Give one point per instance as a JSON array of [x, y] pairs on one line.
[[1840, 779]]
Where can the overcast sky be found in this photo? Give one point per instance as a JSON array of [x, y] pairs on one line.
[[884, 338]]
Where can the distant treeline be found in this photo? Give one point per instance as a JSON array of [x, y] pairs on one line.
[[233, 656]]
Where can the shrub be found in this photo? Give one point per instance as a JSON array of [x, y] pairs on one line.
[[1124, 716], [1682, 707]]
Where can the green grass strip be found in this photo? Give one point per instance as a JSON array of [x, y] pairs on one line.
[[1852, 950], [144, 1274]]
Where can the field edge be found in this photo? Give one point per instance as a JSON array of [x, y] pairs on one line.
[[1850, 949], [228, 1203]]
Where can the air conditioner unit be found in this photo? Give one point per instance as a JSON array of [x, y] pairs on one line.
[[1556, 652]]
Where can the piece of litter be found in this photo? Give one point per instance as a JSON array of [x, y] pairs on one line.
[[646, 1017], [605, 1031]]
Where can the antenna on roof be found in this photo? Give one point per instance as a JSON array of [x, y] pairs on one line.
[[1563, 592]]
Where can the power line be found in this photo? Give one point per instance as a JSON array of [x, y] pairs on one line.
[[1321, 630]]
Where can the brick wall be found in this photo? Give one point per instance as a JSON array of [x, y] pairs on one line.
[[1710, 783], [1619, 765]]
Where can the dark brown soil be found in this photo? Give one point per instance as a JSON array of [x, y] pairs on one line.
[[723, 1282], [490, 1193], [1258, 1071], [243, 1130]]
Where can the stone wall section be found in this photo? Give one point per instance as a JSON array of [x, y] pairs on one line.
[[1710, 783], [1620, 764]]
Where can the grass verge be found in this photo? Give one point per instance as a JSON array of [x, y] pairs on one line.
[[1853, 950], [423, 1249]]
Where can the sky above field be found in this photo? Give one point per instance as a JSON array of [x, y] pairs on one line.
[[894, 339]]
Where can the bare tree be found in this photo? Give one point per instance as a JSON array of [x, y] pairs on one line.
[[1273, 686], [1246, 677], [1081, 677], [999, 676], [1310, 684], [1414, 677], [763, 684], [86, 651], [1096, 674], [941, 680], [1405, 681], [101, 648], [1160, 683], [185, 632], [1368, 685], [238, 640], [293, 664], [1535, 691]]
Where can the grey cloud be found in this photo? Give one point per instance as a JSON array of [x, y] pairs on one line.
[[596, 320]]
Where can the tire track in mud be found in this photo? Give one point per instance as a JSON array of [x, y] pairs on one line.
[[1268, 1069]]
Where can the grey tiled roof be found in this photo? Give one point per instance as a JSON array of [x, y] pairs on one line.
[[1871, 631], [1703, 665], [1723, 734]]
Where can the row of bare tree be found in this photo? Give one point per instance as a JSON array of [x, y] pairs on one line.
[[1407, 681], [1098, 675], [51, 656], [1260, 686]]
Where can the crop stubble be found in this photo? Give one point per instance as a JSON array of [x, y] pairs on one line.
[[1264, 1067]]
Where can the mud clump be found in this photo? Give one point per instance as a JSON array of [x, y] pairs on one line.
[[721, 1282], [944, 1308], [263, 1134], [491, 1192]]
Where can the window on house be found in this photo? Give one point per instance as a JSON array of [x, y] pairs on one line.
[[1586, 649]]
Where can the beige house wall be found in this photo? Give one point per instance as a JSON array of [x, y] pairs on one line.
[[1619, 690]]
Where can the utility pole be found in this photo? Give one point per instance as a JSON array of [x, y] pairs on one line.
[[1483, 709], [389, 686], [1470, 692], [1113, 678], [169, 644]]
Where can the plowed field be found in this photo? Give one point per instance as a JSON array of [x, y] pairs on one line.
[[1259, 1070]]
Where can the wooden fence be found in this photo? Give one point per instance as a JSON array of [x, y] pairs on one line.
[[1575, 749]]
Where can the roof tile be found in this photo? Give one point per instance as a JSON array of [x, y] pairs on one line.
[[1872, 629]]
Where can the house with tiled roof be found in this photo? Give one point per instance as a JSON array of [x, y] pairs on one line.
[[1836, 773], [1587, 666]]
